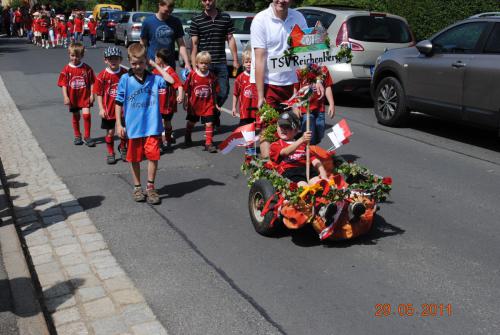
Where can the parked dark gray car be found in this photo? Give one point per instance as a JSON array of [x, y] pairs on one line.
[[454, 75]]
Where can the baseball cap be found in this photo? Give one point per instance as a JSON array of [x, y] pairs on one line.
[[289, 119], [112, 51]]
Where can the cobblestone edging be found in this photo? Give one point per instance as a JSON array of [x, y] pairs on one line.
[[84, 288]]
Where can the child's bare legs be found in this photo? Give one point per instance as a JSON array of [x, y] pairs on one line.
[[152, 168], [136, 173]]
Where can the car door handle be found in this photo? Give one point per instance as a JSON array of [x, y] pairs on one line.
[[458, 64]]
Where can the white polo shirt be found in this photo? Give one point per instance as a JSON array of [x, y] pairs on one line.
[[271, 33]]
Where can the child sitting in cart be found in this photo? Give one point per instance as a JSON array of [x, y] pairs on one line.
[[290, 154]]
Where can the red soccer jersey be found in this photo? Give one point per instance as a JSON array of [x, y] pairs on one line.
[[92, 27], [78, 28], [167, 97], [296, 159], [201, 91], [18, 17], [78, 81], [106, 86], [315, 104], [247, 94], [43, 26], [61, 29], [70, 27]]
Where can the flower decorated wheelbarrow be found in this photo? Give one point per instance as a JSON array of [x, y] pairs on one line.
[[339, 208]]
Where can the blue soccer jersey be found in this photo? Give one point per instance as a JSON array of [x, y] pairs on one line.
[[141, 109]]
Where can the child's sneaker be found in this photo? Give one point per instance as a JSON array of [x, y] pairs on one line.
[[123, 154], [188, 141], [139, 195], [89, 142], [153, 197], [77, 141], [110, 159], [166, 147], [210, 148]]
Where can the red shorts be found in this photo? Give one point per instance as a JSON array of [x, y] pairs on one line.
[[143, 148], [277, 94]]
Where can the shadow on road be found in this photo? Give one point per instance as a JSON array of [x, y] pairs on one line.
[[353, 100], [180, 189], [484, 138]]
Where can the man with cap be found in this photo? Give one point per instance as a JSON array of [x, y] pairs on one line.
[[290, 154]]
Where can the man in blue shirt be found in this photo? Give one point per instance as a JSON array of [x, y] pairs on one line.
[[162, 30], [137, 98]]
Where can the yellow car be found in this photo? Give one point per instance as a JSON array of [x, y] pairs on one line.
[[100, 8]]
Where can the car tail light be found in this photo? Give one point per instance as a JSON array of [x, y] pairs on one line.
[[136, 28], [111, 24], [343, 38]]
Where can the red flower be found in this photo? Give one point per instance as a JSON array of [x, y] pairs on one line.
[[387, 180], [293, 186]]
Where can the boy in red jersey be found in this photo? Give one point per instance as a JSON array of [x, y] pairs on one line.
[[105, 89], [201, 88], [317, 105], [62, 33], [92, 30], [290, 154], [70, 26], [43, 27], [76, 80], [168, 99], [78, 28]]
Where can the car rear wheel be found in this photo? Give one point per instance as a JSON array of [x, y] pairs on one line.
[[390, 102]]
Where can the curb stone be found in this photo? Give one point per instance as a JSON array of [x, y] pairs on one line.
[[83, 287]]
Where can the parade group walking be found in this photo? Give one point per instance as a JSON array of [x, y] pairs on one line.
[[138, 103]]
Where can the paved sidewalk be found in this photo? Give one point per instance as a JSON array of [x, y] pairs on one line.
[[84, 288]]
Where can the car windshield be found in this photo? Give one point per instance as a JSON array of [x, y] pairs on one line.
[[379, 29], [140, 17], [242, 24], [115, 15]]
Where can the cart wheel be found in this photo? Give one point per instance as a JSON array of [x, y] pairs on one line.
[[260, 192]]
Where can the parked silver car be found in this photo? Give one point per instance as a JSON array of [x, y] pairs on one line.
[[368, 33], [455, 74], [128, 30]]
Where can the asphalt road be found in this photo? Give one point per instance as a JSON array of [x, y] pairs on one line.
[[203, 269]]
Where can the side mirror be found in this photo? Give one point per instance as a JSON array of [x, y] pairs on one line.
[[424, 47]]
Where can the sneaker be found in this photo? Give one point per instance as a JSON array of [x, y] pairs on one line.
[[139, 195], [210, 148], [153, 197], [188, 141], [123, 154], [77, 141], [110, 159], [89, 142]]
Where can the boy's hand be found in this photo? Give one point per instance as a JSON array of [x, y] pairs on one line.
[[121, 131], [234, 112], [331, 111], [91, 99], [180, 98], [306, 137], [66, 100], [101, 113], [218, 108], [320, 89]]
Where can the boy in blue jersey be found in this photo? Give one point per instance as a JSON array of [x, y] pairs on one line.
[[137, 98]]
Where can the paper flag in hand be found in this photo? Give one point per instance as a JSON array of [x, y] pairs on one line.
[[340, 134], [241, 136]]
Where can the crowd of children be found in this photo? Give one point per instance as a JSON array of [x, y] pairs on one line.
[[140, 105]]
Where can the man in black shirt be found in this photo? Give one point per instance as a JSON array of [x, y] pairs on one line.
[[209, 32]]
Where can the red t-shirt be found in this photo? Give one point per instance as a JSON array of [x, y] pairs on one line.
[[92, 27], [315, 104], [167, 96], [43, 26], [247, 94], [71, 27], [28, 23], [18, 17], [61, 29], [78, 25], [201, 91], [78, 80], [296, 159], [106, 86]]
